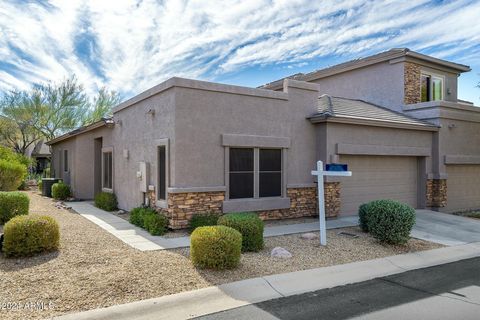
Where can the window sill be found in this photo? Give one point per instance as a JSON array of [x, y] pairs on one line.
[[260, 204], [107, 190], [161, 204]]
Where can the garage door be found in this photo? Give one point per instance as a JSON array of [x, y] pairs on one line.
[[378, 177], [463, 187]]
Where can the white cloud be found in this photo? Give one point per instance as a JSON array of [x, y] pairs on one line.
[[134, 45]]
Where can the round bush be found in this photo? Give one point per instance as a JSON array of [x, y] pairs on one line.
[[362, 216], [249, 225], [155, 223], [106, 201], [60, 191], [203, 220], [13, 204], [215, 247], [390, 221], [137, 216], [12, 174], [28, 235]]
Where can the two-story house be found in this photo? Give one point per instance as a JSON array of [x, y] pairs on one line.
[[188, 147]]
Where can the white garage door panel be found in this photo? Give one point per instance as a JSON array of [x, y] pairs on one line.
[[375, 177], [463, 187]]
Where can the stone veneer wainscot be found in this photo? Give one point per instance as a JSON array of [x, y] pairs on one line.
[[303, 203], [436, 193]]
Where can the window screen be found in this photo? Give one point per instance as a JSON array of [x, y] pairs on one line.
[[270, 174], [241, 173], [162, 177]]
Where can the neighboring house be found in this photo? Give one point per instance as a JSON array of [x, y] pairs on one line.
[[40, 153], [188, 147]]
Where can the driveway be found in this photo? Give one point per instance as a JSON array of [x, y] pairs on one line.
[[445, 228]]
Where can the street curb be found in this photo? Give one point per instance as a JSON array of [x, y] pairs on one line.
[[209, 300]]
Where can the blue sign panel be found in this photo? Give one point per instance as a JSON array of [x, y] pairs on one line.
[[336, 167]]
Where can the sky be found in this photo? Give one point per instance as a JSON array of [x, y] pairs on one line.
[[130, 46]]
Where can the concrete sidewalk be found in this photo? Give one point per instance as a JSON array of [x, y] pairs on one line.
[[140, 239], [233, 295]]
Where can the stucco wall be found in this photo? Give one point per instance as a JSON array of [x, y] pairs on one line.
[[381, 84], [203, 116], [81, 160], [137, 131]]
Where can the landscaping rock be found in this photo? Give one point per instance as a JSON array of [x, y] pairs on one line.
[[279, 252], [309, 236]]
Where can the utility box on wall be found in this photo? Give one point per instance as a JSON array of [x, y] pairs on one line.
[[143, 176]]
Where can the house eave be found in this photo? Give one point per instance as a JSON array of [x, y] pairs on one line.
[[101, 123]]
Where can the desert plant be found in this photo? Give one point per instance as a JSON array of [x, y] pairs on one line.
[[13, 204], [136, 216], [215, 247], [390, 221], [203, 220], [249, 225], [28, 235], [156, 224], [106, 201], [363, 216], [60, 191], [12, 174]]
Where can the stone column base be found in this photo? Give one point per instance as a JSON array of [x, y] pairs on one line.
[[436, 193]]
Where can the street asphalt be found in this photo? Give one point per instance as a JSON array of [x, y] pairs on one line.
[[448, 291]]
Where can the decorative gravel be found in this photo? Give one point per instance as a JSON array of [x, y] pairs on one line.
[[94, 269]]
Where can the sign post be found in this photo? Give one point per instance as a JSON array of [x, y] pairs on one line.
[[337, 171]]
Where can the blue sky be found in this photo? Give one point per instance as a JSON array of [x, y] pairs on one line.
[[130, 46]]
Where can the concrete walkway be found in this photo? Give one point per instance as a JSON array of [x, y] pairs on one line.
[[209, 300], [431, 226], [140, 239]]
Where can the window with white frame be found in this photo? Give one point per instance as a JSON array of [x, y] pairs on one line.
[[255, 173], [107, 170], [431, 87]]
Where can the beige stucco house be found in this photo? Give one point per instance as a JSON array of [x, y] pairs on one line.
[[188, 147]]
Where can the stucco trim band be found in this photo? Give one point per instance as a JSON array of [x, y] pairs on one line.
[[261, 204], [356, 149], [462, 159], [241, 140], [372, 123], [196, 189]]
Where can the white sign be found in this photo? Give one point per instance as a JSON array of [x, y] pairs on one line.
[[320, 173]]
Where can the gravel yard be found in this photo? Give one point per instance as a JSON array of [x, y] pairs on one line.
[[94, 269]]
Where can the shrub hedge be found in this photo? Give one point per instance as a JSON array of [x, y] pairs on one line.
[[390, 221], [13, 204], [215, 247], [106, 201], [150, 220], [28, 235], [249, 225], [11, 174], [155, 223], [60, 191], [203, 220]]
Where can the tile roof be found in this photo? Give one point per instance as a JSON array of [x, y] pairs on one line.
[[337, 107]]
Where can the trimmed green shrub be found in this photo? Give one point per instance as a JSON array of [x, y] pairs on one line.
[[150, 220], [136, 216], [13, 204], [203, 220], [249, 225], [12, 174], [390, 221], [60, 191], [40, 185], [28, 235], [362, 216], [215, 247], [156, 224], [106, 201]]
